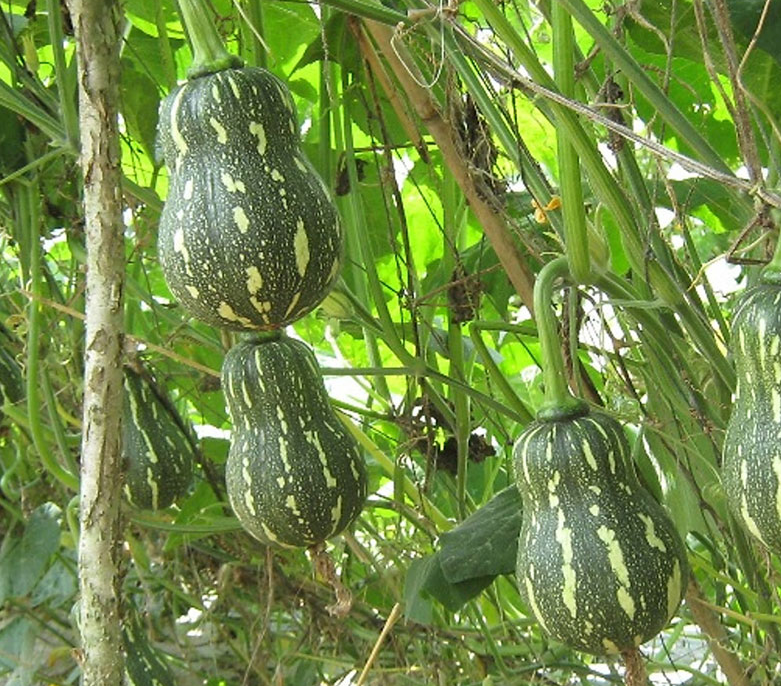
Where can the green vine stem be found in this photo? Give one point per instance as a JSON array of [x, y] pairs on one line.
[[495, 373], [164, 48], [459, 366], [559, 402], [209, 53], [575, 234], [66, 85], [33, 351]]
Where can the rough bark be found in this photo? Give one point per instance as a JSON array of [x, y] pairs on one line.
[[96, 23]]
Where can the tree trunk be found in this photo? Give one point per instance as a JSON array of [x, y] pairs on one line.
[[96, 23]]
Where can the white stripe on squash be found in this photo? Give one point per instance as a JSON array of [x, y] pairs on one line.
[[564, 539]]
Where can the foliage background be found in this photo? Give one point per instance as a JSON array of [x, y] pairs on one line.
[[426, 346]]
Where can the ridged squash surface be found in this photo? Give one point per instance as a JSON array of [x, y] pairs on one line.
[[751, 471], [249, 236], [157, 454], [600, 563], [295, 475]]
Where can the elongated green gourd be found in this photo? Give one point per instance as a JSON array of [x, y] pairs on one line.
[[600, 564], [752, 445], [249, 236], [295, 476], [158, 456]]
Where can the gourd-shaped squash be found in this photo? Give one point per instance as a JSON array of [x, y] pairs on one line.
[[599, 562], [249, 237], [752, 445], [294, 475], [158, 455]]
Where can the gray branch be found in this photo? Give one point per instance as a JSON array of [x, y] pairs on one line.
[[96, 24]]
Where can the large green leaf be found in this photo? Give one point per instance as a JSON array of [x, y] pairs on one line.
[[144, 53], [761, 73], [335, 43], [140, 102], [24, 561], [470, 557], [746, 15], [287, 28], [426, 581], [486, 542]]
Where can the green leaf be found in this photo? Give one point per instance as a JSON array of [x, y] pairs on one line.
[[57, 587], [453, 596], [303, 88], [24, 561], [340, 46], [11, 142], [486, 542], [140, 103], [143, 53], [618, 259], [745, 18], [287, 27], [143, 14], [695, 193], [16, 639], [425, 580], [471, 556], [418, 608]]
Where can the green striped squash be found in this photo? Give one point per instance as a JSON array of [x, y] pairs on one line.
[[295, 475], [600, 563], [249, 235], [143, 664], [157, 454], [752, 445]]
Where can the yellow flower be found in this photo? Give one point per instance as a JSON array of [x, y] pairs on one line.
[[540, 212]]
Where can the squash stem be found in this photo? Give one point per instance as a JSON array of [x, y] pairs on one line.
[[209, 53], [559, 402], [635, 668]]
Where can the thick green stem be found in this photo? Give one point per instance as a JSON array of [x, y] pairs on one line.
[[209, 53], [575, 234], [254, 14], [66, 85], [359, 251], [559, 402]]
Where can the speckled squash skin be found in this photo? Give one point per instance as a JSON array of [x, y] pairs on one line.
[[751, 471], [600, 563], [249, 236], [295, 476], [158, 457]]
